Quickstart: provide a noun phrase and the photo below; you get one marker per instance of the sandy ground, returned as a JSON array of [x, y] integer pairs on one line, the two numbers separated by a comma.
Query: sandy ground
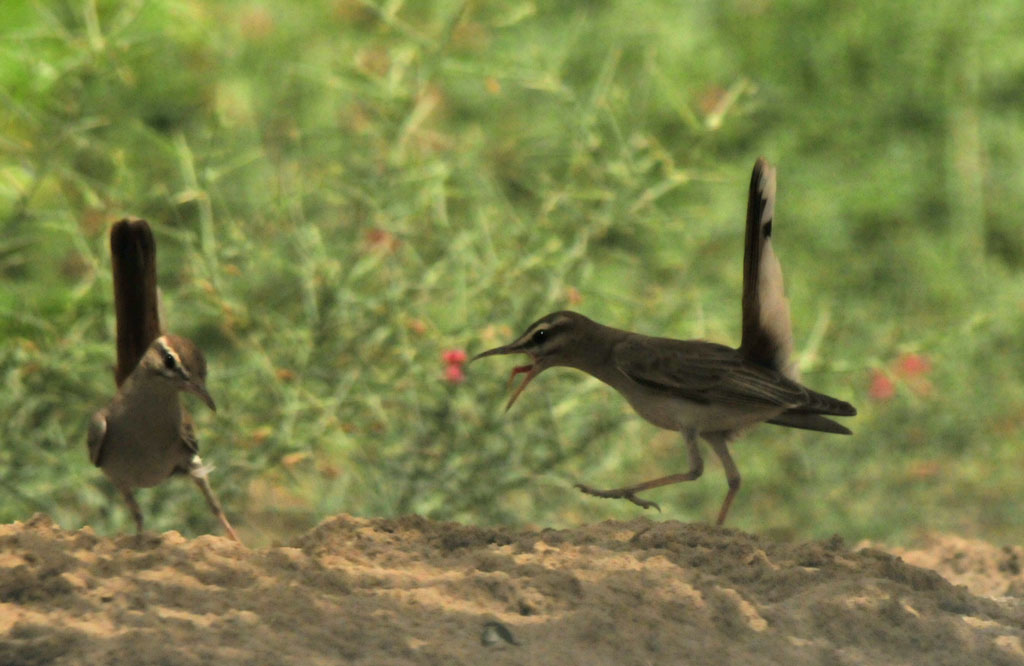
[[413, 591]]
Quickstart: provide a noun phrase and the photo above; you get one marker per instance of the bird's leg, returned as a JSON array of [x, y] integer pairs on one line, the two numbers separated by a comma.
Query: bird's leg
[[198, 472], [720, 445], [133, 506], [629, 492]]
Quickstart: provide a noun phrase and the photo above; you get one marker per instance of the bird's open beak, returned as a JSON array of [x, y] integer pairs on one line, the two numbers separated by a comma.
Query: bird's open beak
[[531, 369], [204, 395]]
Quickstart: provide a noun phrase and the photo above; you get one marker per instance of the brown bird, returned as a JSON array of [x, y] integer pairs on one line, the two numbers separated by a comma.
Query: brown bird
[[701, 389], [145, 435]]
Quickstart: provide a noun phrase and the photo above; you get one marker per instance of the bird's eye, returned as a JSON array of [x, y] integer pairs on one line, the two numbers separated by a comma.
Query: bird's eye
[[169, 361], [540, 336]]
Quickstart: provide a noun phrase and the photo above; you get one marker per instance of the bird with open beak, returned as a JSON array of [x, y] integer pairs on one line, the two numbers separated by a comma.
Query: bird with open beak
[[701, 389]]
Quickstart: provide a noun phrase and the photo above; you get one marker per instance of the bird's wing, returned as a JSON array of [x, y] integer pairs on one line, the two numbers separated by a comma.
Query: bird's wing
[[704, 372], [97, 435], [188, 432]]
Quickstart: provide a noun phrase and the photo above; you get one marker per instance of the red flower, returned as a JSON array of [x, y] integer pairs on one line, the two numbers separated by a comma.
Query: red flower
[[914, 364], [882, 387], [453, 374], [453, 360], [454, 357]]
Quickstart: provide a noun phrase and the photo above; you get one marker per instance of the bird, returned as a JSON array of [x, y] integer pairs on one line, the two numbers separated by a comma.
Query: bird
[[703, 390], [145, 435]]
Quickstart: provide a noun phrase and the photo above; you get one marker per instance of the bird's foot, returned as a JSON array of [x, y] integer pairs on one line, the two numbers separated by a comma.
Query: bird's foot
[[619, 493]]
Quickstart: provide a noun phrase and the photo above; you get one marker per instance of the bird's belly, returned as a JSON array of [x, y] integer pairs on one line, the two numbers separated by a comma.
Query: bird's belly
[[673, 413], [144, 459]]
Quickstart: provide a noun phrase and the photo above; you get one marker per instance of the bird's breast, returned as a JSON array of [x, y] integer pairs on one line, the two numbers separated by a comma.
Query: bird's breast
[[142, 451]]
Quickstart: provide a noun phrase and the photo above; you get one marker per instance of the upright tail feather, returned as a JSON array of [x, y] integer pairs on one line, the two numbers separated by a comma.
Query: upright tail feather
[[133, 254], [767, 335]]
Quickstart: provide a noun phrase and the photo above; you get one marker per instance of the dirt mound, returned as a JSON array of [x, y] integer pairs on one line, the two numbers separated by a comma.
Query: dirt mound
[[413, 591], [987, 570]]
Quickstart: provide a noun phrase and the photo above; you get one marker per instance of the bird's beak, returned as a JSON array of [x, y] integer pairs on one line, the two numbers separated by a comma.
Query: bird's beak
[[498, 351], [200, 389], [531, 369]]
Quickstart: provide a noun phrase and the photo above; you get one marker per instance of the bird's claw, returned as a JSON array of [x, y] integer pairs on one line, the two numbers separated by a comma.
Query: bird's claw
[[642, 503], [619, 493]]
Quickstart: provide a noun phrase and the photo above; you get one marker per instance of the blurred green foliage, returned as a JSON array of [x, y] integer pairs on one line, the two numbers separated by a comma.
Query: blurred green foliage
[[342, 191]]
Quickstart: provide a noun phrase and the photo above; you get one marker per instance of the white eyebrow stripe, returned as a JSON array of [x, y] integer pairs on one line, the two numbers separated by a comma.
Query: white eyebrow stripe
[[177, 359]]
